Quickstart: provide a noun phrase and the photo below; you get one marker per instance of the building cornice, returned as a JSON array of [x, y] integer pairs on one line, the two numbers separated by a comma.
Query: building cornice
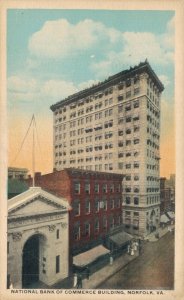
[[110, 81]]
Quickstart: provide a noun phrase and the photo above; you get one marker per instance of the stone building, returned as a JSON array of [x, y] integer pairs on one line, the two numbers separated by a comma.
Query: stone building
[[37, 239], [114, 126], [96, 199]]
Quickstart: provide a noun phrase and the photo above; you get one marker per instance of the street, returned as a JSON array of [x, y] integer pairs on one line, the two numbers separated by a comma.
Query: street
[[153, 269]]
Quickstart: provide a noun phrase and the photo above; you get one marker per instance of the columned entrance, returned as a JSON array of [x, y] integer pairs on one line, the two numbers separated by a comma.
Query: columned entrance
[[31, 261]]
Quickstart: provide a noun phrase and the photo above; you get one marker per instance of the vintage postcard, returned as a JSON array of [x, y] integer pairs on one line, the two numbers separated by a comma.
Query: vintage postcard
[[91, 158]]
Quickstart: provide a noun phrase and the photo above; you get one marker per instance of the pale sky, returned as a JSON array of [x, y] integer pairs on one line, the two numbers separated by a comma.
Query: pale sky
[[54, 53]]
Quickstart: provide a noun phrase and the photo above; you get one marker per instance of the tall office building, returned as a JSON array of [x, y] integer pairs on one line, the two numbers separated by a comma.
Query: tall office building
[[115, 126]]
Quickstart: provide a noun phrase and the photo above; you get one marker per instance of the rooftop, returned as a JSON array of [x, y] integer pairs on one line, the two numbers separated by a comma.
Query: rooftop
[[80, 172], [114, 79], [75, 171], [16, 186]]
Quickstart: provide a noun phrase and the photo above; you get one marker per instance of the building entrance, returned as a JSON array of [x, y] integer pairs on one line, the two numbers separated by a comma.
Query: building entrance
[[152, 221], [30, 261]]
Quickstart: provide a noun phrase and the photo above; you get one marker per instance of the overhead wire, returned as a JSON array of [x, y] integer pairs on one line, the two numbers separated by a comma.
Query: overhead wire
[[22, 144]]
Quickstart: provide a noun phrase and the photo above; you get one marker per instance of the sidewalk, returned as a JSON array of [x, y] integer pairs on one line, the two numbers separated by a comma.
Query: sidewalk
[[103, 274], [99, 276], [161, 232]]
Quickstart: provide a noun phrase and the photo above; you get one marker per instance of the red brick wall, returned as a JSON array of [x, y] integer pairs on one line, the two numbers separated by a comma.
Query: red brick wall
[[57, 183], [61, 183], [92, 215]]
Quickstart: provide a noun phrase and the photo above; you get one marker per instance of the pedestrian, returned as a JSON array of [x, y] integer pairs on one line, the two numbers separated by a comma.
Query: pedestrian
[[128, 249], [111, 259], [87, 273], [75, 281], [132, 251], [11, 285], [79, 282]]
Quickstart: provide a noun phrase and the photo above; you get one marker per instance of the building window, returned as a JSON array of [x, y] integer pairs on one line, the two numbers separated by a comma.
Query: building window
[[128, 166], [120, 166], [136, 214], [119, 220], [104, 222], [136, 104], [120, 154], [127, 213], [128, 142], [112, 188], [136, 91], [111, 203], [118, 202], [8, 247], [136, 200], [76, 231], [136, 128], [97, 225], [128, 107], [105, 187], [128, 177], [111, 222], [120, 86], [76, 207], [87, 188], [118, 188], [136, 141], [87, 206], [96, 187], [120, 144], [136, 224], [87, 229], [97, 205], [128, 94], [57, 263], [136, 189], [77, 188], [136, 177], [105, 204], [57, 234], [136, 165], [128, 200], [128, 189], [120, 97]]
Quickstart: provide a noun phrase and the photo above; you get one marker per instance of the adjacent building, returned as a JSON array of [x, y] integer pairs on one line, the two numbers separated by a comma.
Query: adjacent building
[[167, 195], [96, 201], [114, 126], [38, 238], [17, 173]]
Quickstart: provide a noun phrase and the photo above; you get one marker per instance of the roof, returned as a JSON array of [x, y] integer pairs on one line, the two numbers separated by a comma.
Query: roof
[[74, 171], [115, 79], [170, 214], [34, 192], [121, 238], [17, 169], [16, 186], [89, 256], [164, 219]]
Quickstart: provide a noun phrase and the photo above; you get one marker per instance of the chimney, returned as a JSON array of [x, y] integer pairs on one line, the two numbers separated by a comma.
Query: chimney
[[38, 175]]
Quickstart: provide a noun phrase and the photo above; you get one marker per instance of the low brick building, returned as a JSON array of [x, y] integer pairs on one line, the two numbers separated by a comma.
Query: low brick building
[[96, 201]]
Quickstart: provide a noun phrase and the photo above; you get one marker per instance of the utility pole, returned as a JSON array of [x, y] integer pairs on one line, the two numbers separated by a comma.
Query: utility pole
[[33, 153]]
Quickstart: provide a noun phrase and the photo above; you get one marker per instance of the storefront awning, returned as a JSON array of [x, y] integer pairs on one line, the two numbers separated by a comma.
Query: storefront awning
[[171, 214], [121, 238], [89, 256], [164, 219]]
